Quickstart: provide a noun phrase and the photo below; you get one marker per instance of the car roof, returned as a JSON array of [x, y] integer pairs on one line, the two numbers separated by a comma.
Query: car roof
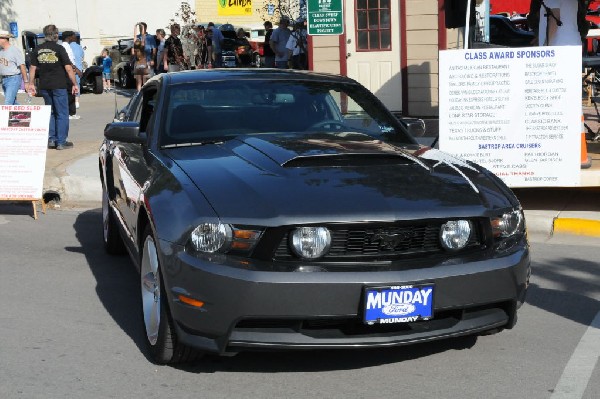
[[250, 74]]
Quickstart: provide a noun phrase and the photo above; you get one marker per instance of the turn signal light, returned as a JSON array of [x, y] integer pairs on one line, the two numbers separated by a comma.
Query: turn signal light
[[191, 301]]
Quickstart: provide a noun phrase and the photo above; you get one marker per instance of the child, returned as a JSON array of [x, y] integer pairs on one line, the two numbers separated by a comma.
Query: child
[[106, 66]]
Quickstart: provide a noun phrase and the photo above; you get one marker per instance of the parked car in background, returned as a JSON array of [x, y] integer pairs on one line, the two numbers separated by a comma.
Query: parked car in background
[[91, 79], [504, 33], [122, 70], [593, 36], [291, 210], [256, 37]]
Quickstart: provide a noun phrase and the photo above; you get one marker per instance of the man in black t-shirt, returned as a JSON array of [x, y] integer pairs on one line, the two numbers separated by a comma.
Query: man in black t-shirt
[[268, 54], [55, 68]]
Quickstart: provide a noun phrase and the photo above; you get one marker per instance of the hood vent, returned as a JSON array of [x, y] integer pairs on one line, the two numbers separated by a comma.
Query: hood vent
[[329, 160]]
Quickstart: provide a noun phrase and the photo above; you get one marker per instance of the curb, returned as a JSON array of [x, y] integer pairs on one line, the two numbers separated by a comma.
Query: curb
[[585, 227]]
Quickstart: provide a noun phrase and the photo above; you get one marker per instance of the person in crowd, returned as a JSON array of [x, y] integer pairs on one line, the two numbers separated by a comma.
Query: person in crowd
[[296, 45], [243, 53], [66, 37], [140, 32], [79, 55], [141, 66], [203, 60], [217, 43], [12, 68], [278, 41], [173, 58], [160, 49], [106, 70], [53, 63], [268, 54]]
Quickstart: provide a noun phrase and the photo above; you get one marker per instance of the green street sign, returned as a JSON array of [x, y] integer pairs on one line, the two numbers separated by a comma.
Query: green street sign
[[325, 17]]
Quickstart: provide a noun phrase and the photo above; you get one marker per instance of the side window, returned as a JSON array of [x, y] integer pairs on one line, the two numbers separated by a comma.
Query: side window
[[148, 105], [134, 109]]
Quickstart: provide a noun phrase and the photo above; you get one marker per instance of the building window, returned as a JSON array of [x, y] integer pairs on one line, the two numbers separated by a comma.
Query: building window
[[373, 25]]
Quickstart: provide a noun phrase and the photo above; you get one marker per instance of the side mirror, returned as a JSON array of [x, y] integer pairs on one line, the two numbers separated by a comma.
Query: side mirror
[[126, 132], [415, 126]]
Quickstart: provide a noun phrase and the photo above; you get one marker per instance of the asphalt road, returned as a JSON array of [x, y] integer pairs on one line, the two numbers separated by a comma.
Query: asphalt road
[[70, 328]]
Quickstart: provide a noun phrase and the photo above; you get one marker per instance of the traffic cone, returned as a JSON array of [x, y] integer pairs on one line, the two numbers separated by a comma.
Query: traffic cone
[[586, 160]]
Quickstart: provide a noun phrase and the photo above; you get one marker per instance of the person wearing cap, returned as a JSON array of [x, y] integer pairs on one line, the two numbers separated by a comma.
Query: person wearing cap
[[296, 46], [12, 68], [53, 63], [278, 41]]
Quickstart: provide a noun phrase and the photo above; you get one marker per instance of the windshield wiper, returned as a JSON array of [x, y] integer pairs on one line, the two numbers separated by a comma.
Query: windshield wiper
[[192, 144]]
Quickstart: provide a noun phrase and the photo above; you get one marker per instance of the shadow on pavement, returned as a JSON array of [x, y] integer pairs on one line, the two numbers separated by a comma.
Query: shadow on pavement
[[117, 282], [575, 283], [323, 360]]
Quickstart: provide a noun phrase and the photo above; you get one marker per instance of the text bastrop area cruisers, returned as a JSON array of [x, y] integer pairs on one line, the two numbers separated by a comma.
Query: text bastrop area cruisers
[[271, 209]]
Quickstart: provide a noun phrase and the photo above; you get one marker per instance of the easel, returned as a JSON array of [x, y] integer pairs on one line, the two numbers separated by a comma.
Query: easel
[[33, 203]]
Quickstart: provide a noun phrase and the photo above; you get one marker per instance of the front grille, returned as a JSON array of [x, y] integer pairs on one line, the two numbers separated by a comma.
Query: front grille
[[380, 241]]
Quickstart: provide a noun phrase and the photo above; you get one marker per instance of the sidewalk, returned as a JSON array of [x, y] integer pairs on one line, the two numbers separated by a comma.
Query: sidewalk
[[73, 175]]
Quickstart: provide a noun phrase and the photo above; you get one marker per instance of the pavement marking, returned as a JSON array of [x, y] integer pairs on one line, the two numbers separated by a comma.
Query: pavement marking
[[3, 220], [577, 226], [576, 375]]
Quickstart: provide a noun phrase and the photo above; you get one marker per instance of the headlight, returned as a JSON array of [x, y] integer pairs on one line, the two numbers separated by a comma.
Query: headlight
[[310, 242], [211, 237], [509, 224], [455, 234]]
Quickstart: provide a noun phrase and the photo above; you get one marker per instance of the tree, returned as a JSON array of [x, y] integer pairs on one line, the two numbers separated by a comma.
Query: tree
[[185, 16], [293, 9]]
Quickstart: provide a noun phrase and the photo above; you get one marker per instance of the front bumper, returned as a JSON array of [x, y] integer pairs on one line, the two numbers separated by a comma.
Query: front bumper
[[248, 308]]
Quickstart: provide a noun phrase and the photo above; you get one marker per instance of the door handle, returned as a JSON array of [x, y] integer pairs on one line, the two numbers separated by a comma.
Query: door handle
[[348, 55]]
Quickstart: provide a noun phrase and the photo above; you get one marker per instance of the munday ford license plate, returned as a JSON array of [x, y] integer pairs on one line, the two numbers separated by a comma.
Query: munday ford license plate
[[398, 304]]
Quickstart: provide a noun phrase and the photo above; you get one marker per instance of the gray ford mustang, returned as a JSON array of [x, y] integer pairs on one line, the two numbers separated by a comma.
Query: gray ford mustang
[[285, 209]]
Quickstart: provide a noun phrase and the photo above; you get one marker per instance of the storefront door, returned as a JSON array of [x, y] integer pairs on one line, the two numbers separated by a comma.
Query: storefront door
[[373, 48]]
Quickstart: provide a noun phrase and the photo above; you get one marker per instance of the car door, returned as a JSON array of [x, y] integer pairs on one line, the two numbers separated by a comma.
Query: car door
[[130, 166]]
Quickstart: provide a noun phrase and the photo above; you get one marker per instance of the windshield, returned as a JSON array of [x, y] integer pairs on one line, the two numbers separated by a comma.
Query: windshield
[[220, 110]]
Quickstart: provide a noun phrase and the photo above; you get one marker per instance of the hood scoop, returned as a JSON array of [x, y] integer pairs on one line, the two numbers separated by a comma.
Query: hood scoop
[[347, 159], [330, 150]]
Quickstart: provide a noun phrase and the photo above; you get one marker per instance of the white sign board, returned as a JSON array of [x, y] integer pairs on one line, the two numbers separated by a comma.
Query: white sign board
[[23, 145], [515, 111]]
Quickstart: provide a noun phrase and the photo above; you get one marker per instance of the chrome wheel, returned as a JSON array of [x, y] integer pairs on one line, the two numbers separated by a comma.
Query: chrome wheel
[[150, 282]]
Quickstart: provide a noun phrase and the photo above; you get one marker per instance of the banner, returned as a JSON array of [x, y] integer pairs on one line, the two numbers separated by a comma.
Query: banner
[[234, 7], [23, 146], [515, 111]]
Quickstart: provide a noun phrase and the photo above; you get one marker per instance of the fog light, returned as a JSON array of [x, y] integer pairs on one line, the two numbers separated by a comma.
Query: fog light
[[310, 242], [455, 234]]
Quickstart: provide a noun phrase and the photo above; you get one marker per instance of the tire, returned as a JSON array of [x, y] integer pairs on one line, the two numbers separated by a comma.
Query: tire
[[161, 337], [124, 79], [98, 84], [113, 243]]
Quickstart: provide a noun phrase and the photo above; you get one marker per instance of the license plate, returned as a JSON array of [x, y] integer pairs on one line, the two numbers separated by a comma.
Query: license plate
[[398, 304]]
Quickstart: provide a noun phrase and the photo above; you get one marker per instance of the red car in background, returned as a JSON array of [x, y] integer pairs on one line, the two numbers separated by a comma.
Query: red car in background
[[593, 36], [256, 37]]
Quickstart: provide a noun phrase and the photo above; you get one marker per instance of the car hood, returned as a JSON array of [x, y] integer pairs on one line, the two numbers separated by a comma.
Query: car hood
[[335, 177]]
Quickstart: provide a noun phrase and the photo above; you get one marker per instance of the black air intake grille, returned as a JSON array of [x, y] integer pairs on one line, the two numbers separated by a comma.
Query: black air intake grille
[[382, 241]]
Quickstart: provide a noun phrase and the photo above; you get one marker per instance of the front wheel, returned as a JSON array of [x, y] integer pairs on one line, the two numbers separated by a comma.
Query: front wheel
[[124, 78], [98, 84], [161, 336]]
